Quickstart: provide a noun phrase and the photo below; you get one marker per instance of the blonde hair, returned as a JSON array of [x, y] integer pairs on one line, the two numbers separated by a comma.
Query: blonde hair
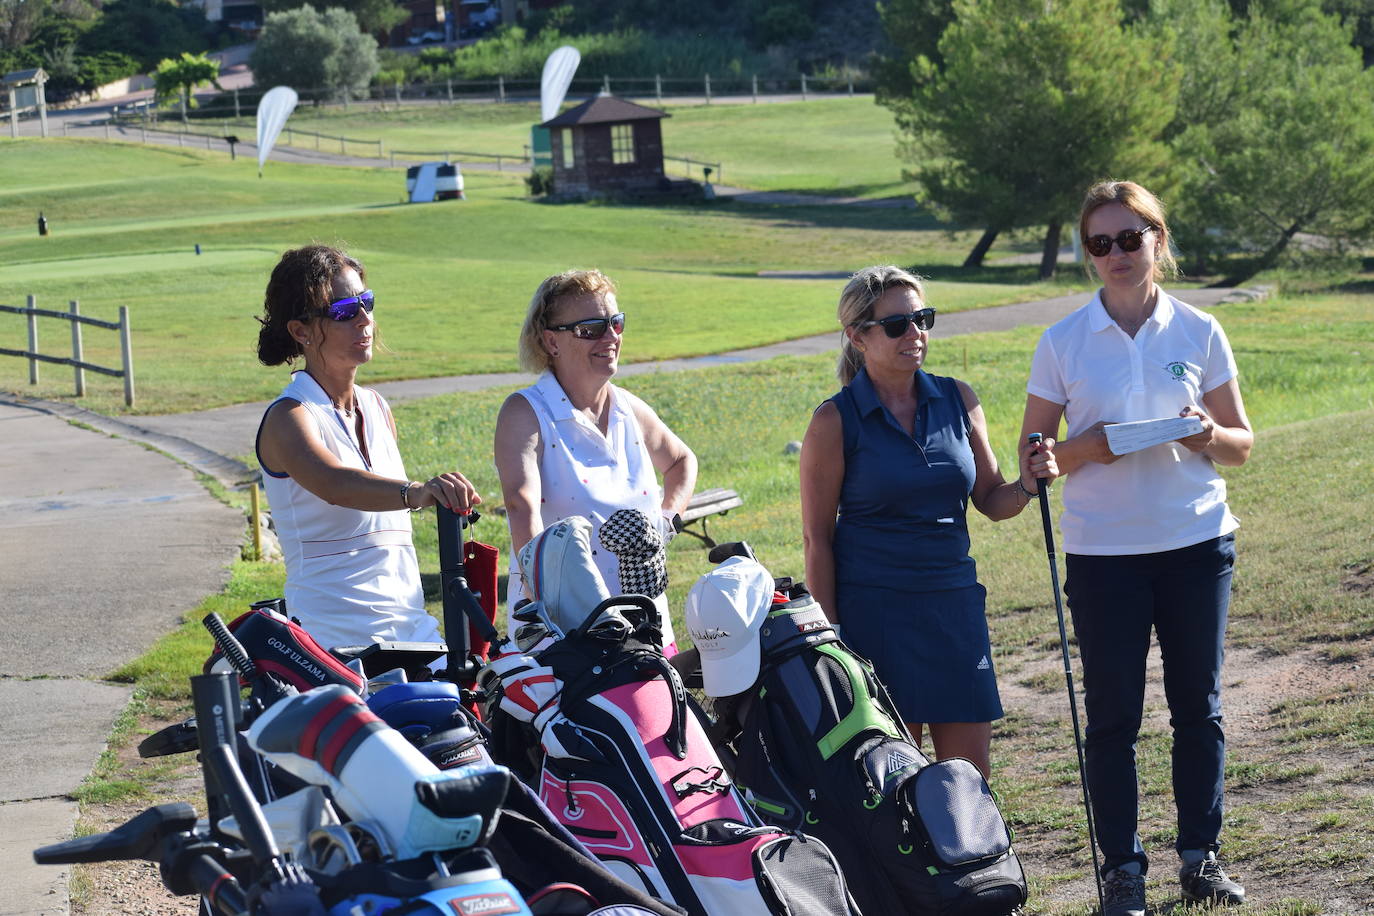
[[860, 295], [1144, 205], [533, 356]]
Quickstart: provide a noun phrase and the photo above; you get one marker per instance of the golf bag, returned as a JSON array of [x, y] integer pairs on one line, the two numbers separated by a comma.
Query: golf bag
[[432, 715], [629, 770], [281, 647], [818, 745]]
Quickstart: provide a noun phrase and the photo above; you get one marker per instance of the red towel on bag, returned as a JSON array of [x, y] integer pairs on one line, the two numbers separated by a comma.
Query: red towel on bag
[[480, 561]]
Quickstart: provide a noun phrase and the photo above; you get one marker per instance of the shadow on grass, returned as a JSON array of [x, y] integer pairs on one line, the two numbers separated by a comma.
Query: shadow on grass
[[811, 216], [1016, 274], [1006, 274], [884, 190], [1362, 286]]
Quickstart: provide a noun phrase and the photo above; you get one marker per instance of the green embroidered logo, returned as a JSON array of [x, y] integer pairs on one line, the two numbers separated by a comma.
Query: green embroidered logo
[[1177, 370]]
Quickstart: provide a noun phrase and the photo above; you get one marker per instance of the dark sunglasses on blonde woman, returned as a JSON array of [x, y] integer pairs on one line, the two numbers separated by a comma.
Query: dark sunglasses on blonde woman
[[1099, 246], [593, 328], [895, 326]]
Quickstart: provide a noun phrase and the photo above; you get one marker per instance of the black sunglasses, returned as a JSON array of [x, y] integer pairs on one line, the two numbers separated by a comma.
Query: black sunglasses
[[347, 308], [593, 328], [895, 326], [1099, 246]]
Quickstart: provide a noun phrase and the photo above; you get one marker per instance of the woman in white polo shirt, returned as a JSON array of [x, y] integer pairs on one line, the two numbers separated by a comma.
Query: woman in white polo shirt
[[575, 444], [1148, 535]]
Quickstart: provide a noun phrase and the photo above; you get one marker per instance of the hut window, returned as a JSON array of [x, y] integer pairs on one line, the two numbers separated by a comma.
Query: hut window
[[622, 144], [567, 148]]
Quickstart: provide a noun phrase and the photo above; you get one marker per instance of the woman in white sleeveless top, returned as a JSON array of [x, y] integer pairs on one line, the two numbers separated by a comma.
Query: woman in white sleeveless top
[[334, 478], [574, 444]]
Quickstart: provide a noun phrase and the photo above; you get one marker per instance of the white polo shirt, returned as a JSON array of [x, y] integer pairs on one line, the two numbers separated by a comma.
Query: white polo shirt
[[582, 472], [1160, 498]]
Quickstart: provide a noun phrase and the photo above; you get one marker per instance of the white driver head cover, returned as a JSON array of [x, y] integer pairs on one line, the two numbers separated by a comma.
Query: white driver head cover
[[725, 610], [558, 569]]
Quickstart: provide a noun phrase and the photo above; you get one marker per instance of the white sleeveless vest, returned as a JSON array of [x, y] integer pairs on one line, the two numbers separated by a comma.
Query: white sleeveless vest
[[582, 472], [351, 576]]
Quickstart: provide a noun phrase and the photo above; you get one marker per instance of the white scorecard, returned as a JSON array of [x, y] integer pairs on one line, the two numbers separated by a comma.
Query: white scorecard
[[1124, 438]]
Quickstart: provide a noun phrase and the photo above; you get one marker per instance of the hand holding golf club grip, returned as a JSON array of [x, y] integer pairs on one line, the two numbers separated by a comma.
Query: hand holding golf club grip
[[1041, 484]]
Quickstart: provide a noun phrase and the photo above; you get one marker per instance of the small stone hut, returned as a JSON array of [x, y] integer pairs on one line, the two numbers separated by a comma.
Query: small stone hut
[[606, 146]]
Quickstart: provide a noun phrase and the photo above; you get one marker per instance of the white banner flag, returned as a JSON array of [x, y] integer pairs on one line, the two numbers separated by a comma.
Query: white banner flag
[[276, 106], [558, 74]]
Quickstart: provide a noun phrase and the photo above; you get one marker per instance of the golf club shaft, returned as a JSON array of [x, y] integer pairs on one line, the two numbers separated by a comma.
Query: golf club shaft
[[1042, 487]]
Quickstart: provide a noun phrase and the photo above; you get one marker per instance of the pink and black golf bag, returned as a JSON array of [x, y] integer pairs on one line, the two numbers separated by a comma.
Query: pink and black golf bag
[[628, 769]]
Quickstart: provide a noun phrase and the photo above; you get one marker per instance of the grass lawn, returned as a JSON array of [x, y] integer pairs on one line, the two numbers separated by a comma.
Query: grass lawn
[[838, 146], [1302, 359], [453, 279], [1299, 792]]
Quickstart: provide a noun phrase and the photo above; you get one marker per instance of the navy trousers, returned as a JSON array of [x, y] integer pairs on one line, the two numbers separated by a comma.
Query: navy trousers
[[1115, 601]]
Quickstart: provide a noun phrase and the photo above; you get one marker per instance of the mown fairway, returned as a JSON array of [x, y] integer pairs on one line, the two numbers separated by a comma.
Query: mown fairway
[[838, 146], [453, 278]]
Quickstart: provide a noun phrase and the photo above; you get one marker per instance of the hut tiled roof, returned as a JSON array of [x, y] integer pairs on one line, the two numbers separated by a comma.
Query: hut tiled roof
[[602, 109], [23, 76]]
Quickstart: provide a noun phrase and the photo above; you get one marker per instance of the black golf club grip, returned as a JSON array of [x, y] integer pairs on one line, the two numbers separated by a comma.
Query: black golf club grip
[[230, 646], [1041, 484], [268, 689]]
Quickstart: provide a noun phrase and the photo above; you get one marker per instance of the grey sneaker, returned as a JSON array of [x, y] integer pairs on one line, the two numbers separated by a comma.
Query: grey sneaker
[[1123, 893], [1205, 882]]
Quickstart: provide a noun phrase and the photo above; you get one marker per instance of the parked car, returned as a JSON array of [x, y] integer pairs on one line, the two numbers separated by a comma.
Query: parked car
[[429, 36], [448, 181], [477, 18]]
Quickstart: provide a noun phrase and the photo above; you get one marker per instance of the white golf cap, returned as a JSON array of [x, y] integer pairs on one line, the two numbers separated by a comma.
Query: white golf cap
[[725, 610]]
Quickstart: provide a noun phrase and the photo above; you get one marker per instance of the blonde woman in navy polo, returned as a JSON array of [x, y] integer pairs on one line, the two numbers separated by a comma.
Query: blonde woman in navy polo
[[1148, 537], [888, 468]]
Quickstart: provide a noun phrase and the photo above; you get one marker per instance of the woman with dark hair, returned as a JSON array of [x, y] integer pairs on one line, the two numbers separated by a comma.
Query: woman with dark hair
[[897, 455], [1148, 537], [340, 497]]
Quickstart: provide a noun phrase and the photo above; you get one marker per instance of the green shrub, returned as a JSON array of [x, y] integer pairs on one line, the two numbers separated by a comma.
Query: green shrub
[[517, 55], [540, 181], [106, 67]]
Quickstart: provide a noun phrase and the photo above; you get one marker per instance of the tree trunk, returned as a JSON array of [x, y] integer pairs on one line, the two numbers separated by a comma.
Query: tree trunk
[[184, 93], [975, 257], [1266, 260], [1049, 256]]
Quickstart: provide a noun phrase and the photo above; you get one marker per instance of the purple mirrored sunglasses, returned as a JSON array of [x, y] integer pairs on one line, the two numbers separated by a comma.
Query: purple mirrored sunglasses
[[346, 309]]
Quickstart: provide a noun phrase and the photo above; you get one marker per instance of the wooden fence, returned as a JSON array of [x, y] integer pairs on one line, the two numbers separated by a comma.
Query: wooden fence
[[76, 360]]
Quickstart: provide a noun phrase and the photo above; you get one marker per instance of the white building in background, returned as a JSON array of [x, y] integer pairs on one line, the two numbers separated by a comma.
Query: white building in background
[[239, 15]]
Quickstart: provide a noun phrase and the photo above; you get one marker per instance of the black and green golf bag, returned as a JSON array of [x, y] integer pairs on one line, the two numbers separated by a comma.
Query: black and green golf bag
[[818, 746]]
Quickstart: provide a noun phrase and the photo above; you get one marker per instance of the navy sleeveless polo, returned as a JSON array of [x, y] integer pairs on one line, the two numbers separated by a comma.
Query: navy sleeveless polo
[[906, 588]]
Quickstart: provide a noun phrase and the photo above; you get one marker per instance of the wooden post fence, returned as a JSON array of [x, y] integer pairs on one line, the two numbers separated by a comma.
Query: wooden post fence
[[77, 359], [77, 354]]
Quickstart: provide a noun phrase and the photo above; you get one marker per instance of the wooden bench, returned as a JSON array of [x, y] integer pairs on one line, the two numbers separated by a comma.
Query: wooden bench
[[702, 506]]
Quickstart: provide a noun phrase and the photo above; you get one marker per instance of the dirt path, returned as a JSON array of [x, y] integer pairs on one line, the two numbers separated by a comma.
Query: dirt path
[[1270, 795]]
